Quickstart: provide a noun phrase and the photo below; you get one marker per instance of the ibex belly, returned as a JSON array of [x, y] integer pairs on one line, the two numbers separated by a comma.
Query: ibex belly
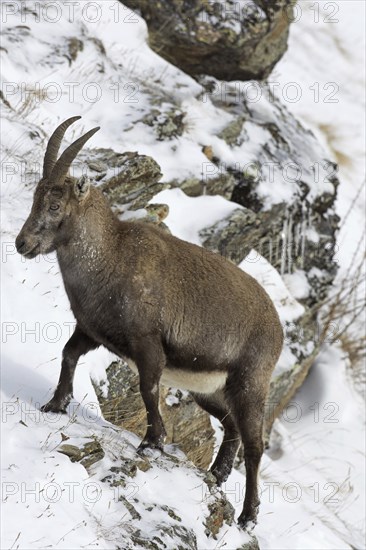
[[199, 382]]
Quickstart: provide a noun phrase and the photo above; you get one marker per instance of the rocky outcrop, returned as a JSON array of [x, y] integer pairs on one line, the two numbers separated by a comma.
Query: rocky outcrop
[[124, 475], [228, 40], [125, 178]]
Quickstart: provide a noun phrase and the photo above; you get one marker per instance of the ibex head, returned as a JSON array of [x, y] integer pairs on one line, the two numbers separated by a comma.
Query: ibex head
[[55, 198]]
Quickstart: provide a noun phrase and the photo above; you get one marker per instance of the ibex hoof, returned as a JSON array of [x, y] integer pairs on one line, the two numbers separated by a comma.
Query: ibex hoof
[[248, 521], [220, 475], [146, 445], [54, 407]]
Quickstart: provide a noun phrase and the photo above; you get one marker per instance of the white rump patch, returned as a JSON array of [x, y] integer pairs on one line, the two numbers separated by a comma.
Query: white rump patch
[[199, 382]]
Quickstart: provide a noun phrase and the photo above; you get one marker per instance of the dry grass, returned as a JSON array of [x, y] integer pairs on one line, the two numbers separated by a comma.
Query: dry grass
[[342, 315], [345, 307], [117, 412], [355, 348]]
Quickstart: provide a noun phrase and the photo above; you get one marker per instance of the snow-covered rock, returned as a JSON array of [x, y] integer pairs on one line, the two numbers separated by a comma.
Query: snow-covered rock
[[231, 40]]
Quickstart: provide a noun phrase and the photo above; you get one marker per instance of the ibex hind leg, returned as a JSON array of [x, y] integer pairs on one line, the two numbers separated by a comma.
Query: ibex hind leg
[[247, 408], [215, 405]]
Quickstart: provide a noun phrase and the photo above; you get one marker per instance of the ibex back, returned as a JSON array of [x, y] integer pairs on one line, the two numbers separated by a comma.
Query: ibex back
[[179, 314]]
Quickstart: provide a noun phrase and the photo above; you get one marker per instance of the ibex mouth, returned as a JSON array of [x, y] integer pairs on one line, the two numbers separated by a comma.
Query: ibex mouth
[[30, 254]]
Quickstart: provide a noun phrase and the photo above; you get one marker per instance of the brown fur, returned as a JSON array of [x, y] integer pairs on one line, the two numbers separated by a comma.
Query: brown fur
[[165, 305]]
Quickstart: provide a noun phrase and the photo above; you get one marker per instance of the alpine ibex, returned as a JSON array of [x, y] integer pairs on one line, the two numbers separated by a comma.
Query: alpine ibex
[[180, 315]]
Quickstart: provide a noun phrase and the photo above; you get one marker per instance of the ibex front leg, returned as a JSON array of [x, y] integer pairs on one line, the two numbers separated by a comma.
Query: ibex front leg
[[78, 345], [150, 360]]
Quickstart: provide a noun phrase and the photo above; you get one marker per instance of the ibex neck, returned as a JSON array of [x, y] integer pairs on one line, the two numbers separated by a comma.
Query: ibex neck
[[94, 232]]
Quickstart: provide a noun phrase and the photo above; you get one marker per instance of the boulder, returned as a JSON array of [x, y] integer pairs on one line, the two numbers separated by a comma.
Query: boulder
[[125, 178], [229, 40], [89, 454]]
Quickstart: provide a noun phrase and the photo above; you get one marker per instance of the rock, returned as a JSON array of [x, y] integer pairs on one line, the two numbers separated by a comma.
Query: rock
[[128, 468], [221, 511], [193, 187], [171, 513], [169, 530], [130, 507], [189, 426], [87, 455], [143, 465], [222, 184], [252, 545], [124, 479], [127, 179], [207, 150], [185, 422], [186, 537], [233, 237], [74, 46], [166, 124], [136, 181], [156, 213], [228, 40], [232, 132], [263, 231]]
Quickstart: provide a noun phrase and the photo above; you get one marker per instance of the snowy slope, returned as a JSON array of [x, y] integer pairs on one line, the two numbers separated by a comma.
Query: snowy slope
[[312, 488], [326, 61]]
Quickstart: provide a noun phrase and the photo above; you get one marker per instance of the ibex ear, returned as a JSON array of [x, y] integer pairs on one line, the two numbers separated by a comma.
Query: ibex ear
[[82, 187]]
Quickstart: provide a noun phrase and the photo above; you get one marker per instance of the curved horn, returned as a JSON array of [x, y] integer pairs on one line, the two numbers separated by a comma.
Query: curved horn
[[63, 164], [53, 146]]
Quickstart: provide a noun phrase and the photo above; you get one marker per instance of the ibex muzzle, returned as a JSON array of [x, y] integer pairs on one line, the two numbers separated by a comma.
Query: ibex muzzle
[[179, 314]]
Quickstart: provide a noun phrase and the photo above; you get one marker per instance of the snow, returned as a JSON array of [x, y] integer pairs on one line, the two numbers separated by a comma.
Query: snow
[[297, 284], [189, 215], [287, 307], [320, 436]]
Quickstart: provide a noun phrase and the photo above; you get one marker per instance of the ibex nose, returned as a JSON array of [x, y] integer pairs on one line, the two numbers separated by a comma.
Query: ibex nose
[[19, 243]]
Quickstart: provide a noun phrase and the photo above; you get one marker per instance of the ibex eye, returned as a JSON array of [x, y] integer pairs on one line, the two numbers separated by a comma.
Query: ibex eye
[[54, 206]]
